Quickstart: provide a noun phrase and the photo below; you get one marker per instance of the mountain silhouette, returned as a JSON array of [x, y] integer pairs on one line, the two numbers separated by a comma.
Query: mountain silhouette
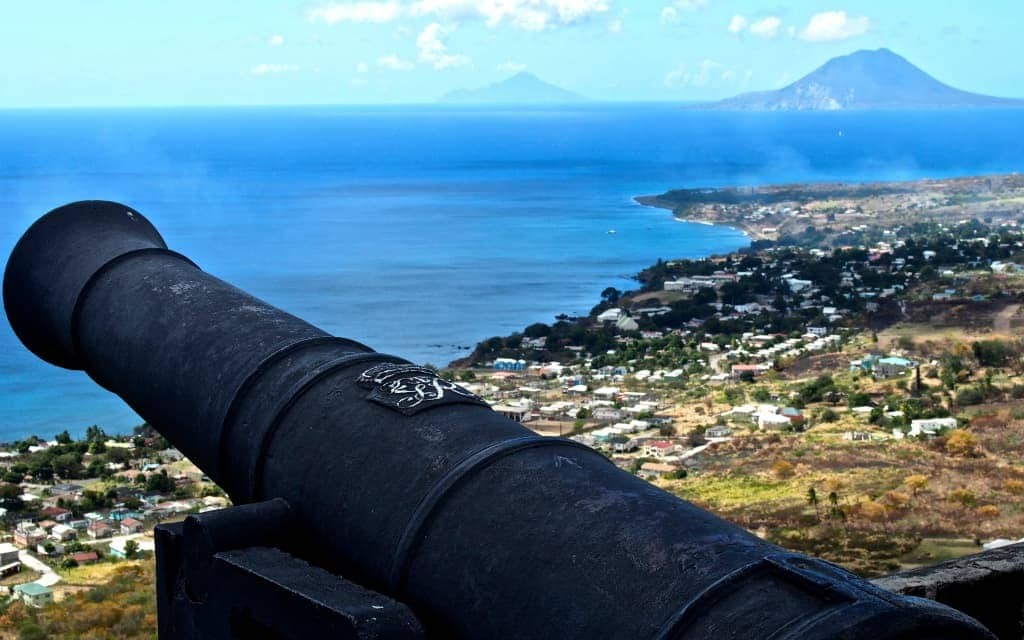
[[864, 79], [522, 88]]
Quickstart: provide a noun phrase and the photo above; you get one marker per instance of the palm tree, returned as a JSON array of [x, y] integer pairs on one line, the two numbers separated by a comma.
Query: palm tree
[[812, 499]]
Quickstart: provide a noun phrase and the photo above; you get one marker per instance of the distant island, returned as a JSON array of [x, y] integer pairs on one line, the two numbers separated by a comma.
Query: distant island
[[862, 80], [522, 88]]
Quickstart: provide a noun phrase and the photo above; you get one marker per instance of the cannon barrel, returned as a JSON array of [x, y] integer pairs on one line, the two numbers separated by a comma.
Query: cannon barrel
[[408, 483]]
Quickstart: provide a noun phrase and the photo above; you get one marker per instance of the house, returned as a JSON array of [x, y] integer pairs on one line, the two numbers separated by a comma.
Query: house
[[9, 562], [28, 535], [772, 421], [794, 415], [857, 436], [718, 431], [131, 525], [746, 370], [625, 323], [892, 367], [33, 594], [85, 557], [58, 514], [509, 364], [63, 533], [46, 525], [660, 449], [657, 469], [97, 530], [516, 414], [931, 426], [610, 315]]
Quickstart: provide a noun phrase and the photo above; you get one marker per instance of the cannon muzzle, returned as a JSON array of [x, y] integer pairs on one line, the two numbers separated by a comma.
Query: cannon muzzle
[[407, 483]]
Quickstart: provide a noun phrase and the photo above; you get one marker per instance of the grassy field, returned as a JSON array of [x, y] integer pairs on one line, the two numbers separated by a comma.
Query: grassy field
[[98, 573]]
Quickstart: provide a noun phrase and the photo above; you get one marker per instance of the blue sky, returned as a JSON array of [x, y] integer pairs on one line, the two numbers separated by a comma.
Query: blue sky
[[67, 53]]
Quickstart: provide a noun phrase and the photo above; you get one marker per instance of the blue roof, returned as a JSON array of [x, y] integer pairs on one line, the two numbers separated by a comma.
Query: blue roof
[[33, 589], [899, 362]]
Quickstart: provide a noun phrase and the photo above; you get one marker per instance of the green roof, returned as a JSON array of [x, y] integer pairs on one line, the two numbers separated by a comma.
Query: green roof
[[33, 589]]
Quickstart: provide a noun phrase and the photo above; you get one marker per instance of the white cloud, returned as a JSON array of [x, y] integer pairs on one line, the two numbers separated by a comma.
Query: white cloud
[[767, 28], [375, 12], [362, 67], [264, 69], [529, 15], [669, 14], [511, 67], [737, 24], [615, 26], [830, 26], [434, 51], [394, 63], [276, 40], [703, 75], [691, 5]]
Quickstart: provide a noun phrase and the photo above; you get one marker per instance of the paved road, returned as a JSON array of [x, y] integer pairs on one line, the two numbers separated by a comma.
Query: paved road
[[49, 577]]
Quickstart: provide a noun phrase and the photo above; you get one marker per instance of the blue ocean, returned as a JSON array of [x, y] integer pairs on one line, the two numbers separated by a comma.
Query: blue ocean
[[422, 230]]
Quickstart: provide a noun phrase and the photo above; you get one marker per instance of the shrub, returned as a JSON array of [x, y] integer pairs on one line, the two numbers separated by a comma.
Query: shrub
[[783, 469], [1016, 487], [987, 512], [963, 497]]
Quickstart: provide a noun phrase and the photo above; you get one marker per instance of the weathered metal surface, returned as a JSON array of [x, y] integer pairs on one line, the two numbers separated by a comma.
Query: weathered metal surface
[[408, 484], [988, 586]]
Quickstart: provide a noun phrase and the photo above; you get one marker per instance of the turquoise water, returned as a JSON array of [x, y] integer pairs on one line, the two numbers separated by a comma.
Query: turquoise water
[[421, 230]]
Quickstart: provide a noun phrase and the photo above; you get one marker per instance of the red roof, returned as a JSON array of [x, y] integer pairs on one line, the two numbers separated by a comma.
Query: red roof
[[53, 512], [131, 522], [85, 556]]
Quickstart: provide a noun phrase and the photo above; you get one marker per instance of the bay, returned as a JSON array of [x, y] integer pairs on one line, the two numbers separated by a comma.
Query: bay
[[420, 230]]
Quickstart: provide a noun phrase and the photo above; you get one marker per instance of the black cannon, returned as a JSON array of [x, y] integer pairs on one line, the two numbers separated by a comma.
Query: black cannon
[[378, 500]]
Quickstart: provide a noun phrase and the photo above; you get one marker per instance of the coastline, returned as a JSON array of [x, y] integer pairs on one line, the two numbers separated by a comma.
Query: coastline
[[657, 202], [832, 214]]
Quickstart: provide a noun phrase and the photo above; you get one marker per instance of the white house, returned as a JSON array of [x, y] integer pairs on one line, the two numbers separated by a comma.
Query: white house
[[931, 426]]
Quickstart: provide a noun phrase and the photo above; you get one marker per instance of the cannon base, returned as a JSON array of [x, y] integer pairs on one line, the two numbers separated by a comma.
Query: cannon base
[[214, 583]]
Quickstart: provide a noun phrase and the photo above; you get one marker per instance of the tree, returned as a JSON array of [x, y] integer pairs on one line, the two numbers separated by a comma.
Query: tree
[[68, 563], [10, 497], [962, 443], [63, 437], [537, 330], [610, 295], [94, 434], [131, 549], [159, 482]]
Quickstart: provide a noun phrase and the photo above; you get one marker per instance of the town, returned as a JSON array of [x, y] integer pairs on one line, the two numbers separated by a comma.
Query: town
[[856, 393]]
